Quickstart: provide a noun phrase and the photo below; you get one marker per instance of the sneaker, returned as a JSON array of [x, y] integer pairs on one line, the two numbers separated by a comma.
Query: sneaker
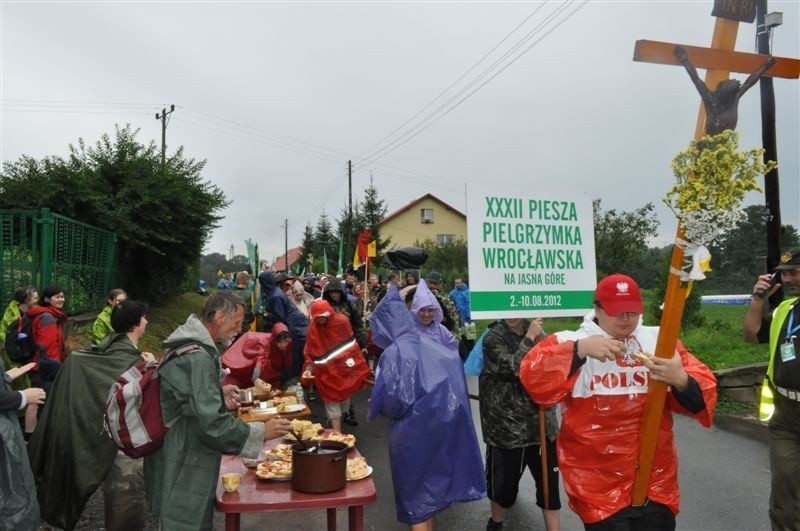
[[491, 525], [349, 419]]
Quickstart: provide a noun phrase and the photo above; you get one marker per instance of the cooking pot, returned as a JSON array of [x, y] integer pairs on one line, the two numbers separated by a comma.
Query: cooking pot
[[320, 469]]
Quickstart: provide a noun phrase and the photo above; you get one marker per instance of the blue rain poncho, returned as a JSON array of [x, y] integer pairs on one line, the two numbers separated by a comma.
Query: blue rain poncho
[[424, 298], [420, 387]]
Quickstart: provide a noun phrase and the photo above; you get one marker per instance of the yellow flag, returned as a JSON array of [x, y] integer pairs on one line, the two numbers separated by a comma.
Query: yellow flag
[[372, 249]]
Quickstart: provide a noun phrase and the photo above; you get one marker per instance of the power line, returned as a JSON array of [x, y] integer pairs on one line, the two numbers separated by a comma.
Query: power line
[[432, 117], [74, 103], [259, 140], [147, 113], [214, 123], [462, 76], [285, 139], [326, 195], [248, 132]]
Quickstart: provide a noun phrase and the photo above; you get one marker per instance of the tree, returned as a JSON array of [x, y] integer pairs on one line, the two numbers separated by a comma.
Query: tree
[[239, 263], [349, 229], [367, 215], [449, 259], [692, 317], [211, 265], [620, 238], [308, 254], [735, 255], [649, 275], [372, 212], [162, 215], [326, 244]]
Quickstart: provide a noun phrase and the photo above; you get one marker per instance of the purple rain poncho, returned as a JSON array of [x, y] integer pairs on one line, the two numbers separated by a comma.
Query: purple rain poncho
[[420, 387], [436, 331]]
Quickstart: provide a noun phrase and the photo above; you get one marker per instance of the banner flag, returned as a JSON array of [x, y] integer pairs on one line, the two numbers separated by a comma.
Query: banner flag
[[341, 258], [362, 248]]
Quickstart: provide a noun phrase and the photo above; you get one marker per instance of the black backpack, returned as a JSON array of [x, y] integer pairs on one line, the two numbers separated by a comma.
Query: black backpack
[[19, 343]]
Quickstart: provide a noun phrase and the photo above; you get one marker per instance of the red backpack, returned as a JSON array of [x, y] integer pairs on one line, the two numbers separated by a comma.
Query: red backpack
[[133, 408]]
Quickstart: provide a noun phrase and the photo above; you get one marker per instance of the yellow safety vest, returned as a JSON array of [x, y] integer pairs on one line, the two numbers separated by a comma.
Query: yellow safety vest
[[767, 407]]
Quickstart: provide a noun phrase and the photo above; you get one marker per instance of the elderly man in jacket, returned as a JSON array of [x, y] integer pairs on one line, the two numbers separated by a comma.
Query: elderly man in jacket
[[181, 476]]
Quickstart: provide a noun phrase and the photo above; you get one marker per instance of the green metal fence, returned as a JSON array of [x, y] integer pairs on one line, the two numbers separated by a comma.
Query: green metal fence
[[40, 248]]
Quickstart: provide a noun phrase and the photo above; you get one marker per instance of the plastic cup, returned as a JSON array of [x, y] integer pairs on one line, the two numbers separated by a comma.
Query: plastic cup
[[246, 398], [231, 481]]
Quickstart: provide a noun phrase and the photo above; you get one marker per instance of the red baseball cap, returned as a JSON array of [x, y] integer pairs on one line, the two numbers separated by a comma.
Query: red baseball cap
[[617, 294]]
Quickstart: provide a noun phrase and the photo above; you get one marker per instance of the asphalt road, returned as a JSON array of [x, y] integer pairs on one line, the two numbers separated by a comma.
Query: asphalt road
[[724, 479]]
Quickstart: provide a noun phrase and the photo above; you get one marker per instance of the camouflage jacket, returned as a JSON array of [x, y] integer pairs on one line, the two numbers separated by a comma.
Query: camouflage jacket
[[509, 418], [452, 321]]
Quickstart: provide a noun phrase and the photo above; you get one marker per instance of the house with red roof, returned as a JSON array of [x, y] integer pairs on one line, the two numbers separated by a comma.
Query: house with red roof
[[424, 218]]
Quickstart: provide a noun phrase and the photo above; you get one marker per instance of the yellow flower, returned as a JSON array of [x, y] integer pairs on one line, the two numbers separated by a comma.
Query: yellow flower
[[713, 176]]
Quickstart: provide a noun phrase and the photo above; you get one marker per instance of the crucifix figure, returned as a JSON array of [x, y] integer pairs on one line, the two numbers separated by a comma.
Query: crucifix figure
[[722, 105], [717, 114]]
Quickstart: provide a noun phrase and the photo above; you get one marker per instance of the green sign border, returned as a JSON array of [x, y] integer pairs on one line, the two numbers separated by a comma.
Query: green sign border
[[488, 301]]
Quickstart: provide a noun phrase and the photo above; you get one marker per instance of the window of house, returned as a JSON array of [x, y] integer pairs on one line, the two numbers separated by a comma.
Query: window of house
[[426, 215], [445, 239]]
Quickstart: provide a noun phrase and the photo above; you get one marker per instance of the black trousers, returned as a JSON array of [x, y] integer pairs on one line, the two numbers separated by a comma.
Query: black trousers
[[651, 516]]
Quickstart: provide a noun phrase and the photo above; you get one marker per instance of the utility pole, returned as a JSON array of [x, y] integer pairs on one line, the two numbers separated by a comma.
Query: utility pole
[[286, 244], [765, 23], [163, 118], [349, 213]]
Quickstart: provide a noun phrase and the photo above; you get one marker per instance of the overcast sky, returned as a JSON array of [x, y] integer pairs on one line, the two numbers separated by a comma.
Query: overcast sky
[[278, 96]]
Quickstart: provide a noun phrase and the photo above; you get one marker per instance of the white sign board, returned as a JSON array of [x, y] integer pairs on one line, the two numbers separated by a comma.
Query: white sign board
[[530, 254]]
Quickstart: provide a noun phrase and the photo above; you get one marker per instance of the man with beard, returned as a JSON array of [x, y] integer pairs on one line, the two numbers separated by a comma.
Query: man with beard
[[780, 392], [180, 477]]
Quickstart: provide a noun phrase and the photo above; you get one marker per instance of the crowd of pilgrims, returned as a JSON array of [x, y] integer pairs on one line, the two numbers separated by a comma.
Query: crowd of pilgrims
[[406, 338], [303, 318]]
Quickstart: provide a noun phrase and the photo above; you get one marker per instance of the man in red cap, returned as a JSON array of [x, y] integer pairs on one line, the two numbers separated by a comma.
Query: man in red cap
[[601, 373]]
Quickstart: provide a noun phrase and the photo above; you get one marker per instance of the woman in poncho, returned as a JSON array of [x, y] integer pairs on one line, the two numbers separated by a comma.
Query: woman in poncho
[[428, 317], [420, 387]]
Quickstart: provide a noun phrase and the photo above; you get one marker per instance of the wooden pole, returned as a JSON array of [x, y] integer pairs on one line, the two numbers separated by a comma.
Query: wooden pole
[[365, 293], [543, 455], [724, 38]]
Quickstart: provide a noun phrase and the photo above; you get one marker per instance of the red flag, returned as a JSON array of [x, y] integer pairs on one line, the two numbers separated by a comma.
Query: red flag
[[362, 247]]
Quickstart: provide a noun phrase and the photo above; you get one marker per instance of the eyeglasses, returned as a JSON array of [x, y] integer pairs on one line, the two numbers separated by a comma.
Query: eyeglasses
[[625, 316]]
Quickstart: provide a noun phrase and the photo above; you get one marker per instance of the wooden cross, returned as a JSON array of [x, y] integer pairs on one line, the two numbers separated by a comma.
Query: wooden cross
[[719, 60]]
